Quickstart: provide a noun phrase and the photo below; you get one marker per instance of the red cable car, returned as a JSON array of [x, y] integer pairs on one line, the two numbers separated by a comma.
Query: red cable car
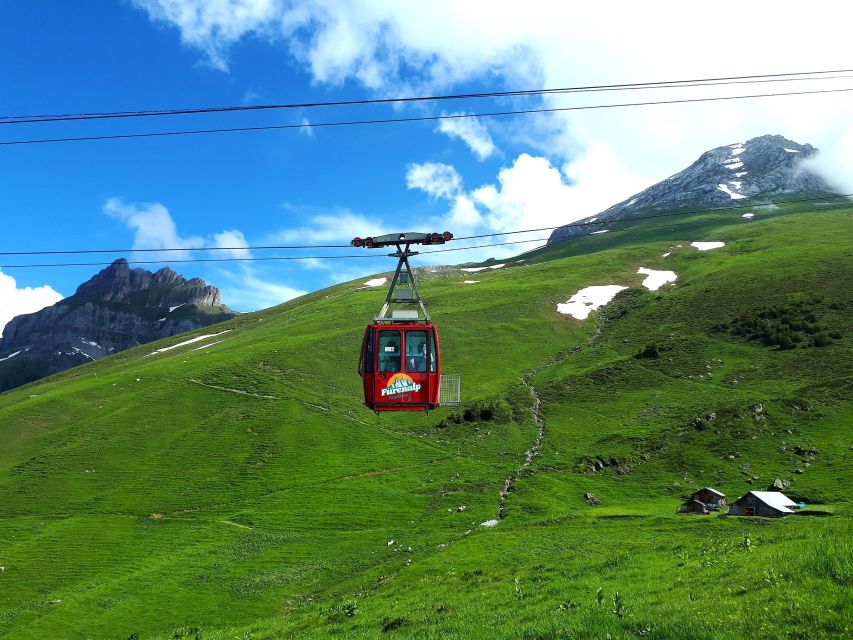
[[400, 366], [400, 361]]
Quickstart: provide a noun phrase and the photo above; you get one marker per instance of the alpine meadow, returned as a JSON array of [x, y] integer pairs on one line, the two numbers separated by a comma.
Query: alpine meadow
[[235, 486], [481, 320]]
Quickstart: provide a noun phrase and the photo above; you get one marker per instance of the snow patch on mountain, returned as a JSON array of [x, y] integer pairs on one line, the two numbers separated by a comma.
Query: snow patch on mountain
[[733, 195], [656, 279], [706, 246], [190, 341], [12, 355], [476, 269], [587, 300]]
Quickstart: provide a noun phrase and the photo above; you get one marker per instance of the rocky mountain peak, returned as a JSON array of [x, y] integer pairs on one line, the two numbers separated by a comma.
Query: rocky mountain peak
[[756, 172], [118, 283], [116, 309]]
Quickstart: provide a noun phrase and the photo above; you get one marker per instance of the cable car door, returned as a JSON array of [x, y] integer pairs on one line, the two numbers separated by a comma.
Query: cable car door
[[420, 365], [390, 383], [367, 364]]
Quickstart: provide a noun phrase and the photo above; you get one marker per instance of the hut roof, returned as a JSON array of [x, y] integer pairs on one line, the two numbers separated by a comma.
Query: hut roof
[[714, 491], [774, 499]]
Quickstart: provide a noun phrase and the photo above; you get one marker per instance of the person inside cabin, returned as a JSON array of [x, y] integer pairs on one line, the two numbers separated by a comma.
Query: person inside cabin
[[417, 361], [390, 360]]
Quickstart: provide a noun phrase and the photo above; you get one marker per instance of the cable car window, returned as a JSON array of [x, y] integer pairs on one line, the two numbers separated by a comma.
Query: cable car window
[[368, 353], [389, 351], [416, 348], [432, 351]]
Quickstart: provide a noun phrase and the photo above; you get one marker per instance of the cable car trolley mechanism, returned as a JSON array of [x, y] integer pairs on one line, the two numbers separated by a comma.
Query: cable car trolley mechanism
[[400, 361]]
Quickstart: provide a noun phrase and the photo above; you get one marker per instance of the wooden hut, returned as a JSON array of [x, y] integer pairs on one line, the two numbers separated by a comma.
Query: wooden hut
[[693, 506], [769, 504], [711, 498]]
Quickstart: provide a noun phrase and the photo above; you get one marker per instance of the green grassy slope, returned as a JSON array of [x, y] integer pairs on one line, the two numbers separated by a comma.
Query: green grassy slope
[[241, 490]]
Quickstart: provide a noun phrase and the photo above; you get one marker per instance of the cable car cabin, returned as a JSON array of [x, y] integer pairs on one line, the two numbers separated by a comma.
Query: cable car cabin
[[399, 366]]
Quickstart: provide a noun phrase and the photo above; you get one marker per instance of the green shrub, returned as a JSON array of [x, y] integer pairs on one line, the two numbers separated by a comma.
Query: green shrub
[[496, 410], [649, 351], [389, 624], [782, 327]]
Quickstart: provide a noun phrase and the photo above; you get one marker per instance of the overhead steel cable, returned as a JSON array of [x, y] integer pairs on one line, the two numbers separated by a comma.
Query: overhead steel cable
[[454, 116], [471, 237], [361, 256], [253, 248], [666, 84], [377, 255]]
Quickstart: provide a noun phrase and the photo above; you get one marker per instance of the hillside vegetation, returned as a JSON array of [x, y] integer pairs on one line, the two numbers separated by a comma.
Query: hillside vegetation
[[235, 487]]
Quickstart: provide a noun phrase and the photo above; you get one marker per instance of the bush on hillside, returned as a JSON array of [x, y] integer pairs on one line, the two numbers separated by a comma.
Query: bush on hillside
[[783, 326], [496, 410], [649, 351]]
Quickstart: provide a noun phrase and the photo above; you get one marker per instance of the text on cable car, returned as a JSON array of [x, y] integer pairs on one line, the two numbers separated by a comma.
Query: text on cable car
[[400, 383]]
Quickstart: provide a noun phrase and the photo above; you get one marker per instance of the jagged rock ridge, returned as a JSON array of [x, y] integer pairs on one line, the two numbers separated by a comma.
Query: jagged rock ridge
[[753, 172], [117, 309]]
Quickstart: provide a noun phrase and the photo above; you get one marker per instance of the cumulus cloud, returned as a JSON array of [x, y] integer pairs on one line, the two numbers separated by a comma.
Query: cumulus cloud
[[472, 132], [233, 243], [152, 225], [213, 25], [532, 193], [463, 215], [395, 47], [15, 300], [437, 179]]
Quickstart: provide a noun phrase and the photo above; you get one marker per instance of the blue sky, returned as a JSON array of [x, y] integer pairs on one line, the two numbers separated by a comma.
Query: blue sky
[[328, 185]]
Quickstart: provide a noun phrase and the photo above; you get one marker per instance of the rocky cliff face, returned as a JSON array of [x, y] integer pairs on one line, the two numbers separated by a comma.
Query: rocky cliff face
[[754, 172], [117, 309]]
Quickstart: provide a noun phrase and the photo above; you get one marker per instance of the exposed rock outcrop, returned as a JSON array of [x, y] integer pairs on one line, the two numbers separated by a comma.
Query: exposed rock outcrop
[[117, 309]]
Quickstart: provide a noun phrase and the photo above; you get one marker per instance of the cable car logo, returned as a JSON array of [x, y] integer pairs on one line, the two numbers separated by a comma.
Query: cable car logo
[[400, 383]]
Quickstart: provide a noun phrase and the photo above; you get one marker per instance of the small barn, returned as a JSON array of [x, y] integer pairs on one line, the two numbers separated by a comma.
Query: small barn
[[693, 506], [711, 498], [769, 504]]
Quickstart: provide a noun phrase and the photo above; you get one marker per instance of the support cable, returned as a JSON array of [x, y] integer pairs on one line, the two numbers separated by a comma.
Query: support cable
[[471, 237], [452, 116], [664, 84]]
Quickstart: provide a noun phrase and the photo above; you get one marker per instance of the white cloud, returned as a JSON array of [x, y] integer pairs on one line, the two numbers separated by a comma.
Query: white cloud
[[437, 179], [154, 228], [393, 47], [472, 132], [464, 214], [532, 193], [15, 301], [836, 165], [235, 243], [306, 129], [213, 25], [151, 223]]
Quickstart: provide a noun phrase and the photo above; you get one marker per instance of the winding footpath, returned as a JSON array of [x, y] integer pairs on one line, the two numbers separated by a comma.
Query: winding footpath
[[533, 451]]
